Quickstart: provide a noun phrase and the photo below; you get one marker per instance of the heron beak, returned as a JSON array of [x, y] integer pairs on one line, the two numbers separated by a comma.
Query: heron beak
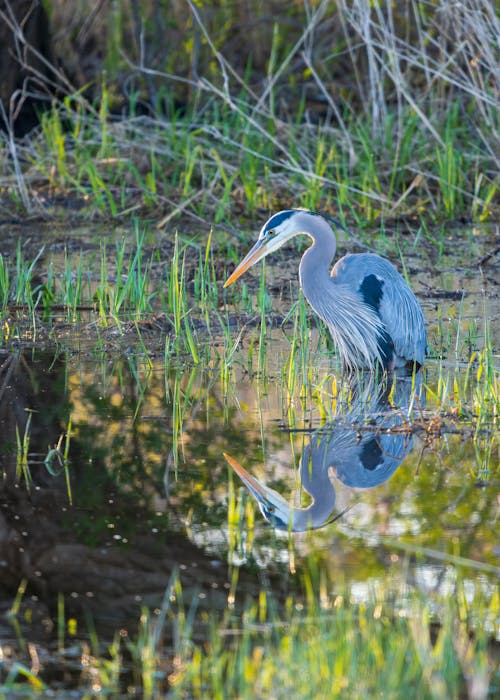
[[252, 484], [255, 254]]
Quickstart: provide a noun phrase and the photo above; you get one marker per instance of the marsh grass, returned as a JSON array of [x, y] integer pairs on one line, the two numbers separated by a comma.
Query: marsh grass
[[204, 171], [327, 645], [407, 124], [130, 291], [122, 287], [315, 644]]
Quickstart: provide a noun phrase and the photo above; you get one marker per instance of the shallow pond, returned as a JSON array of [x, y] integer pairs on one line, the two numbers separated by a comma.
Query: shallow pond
[[114, 474]]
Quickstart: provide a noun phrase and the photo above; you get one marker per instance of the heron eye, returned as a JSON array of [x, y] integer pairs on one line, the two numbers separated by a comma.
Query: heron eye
[[271, 509], [272, 232]]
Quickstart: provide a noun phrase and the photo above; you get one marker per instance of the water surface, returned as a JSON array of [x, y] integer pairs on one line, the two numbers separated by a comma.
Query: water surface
[[144, 490]]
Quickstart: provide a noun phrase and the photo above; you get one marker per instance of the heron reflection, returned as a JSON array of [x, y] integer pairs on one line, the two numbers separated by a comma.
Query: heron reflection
[[361, 447]]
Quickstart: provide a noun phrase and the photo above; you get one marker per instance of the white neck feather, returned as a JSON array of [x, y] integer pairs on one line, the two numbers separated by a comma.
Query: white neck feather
[[353, 325]]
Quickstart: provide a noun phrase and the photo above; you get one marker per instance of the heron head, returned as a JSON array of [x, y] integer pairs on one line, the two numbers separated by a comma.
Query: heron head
[[274, 507], [275, 232]]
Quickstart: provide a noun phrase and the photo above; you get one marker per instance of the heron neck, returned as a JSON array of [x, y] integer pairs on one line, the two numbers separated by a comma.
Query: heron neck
[[353, 325], [316, 482], [314, 268]]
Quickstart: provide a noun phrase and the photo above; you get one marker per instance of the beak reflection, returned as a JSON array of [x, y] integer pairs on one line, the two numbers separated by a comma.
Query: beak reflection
[[250, 481]]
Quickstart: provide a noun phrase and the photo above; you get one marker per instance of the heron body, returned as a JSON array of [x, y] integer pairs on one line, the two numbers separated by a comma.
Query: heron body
[[372, 314]]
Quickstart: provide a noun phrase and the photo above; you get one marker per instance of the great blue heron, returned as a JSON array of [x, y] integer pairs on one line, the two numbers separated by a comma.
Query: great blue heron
[[361, 448], [373, 316]]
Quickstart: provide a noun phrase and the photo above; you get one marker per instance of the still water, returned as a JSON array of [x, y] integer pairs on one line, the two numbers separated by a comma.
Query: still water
[[139, 485], [114, 477]]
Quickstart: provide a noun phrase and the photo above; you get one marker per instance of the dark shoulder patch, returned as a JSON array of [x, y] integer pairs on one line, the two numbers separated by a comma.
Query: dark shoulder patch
[[279, 218], [371, 289], [371, 454]]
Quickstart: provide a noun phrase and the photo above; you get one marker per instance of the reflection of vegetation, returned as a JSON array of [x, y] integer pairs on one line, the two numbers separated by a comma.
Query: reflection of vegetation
[[33, 411], [131, 432]]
